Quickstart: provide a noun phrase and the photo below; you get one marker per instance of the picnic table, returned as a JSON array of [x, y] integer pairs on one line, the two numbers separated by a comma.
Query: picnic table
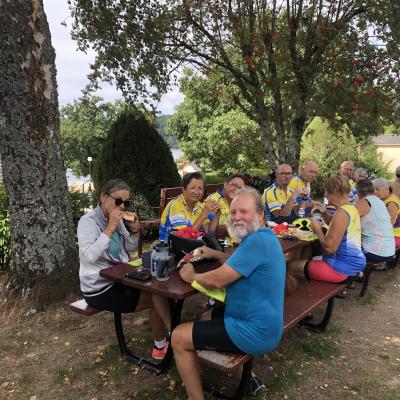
[[176, 290]]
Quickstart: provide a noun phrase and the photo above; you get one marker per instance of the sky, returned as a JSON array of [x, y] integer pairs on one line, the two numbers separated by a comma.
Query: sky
[[73, 65]]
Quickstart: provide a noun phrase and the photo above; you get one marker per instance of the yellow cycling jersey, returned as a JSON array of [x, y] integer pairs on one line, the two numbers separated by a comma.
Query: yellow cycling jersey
[[224, 206], [177, 215], [396, 226], [275, 198]]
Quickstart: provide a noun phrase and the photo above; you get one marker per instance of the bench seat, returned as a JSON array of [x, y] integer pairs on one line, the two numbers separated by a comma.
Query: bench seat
[[81, 307], [298, 306]]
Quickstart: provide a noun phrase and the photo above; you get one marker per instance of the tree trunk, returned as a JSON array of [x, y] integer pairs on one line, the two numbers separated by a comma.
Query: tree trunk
[[43, 241]]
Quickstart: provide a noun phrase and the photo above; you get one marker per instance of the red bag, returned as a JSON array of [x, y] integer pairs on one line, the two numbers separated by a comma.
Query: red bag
[[280, 229], [188, 233]]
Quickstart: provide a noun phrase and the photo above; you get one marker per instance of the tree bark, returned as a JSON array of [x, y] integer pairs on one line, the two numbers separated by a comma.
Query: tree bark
[[43, 241]]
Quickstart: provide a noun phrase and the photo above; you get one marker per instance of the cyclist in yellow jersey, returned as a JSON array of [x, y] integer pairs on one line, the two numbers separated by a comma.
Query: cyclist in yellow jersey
[[187, 209], [280, 201], [392, 202], [224, 197], [308, 174]]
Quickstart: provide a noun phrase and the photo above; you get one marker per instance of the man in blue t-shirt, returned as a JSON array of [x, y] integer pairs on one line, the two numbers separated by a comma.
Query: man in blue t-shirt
[[254, 276]]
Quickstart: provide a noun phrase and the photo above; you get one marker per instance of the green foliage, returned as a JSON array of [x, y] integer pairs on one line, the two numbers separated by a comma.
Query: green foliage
[[329, 149], [134, 151], [5, 237], [84, 125], [281, 63], [214, 132], [79, 202]]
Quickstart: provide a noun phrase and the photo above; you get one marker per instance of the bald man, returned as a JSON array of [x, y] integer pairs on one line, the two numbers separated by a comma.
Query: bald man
[[280, 201], [302, 181]]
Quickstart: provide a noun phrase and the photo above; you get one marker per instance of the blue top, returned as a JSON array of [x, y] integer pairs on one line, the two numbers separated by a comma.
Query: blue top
[[348, 259], [254, 303], [376, 229]]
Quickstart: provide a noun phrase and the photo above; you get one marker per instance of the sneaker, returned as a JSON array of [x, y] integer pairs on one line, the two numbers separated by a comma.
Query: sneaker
[[159, 354], [255, 385], [342, 294]]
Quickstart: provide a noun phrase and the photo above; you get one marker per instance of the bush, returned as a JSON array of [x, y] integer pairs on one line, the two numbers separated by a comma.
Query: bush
[[79, 202], [329, 149], [5, 237], [135, 152]]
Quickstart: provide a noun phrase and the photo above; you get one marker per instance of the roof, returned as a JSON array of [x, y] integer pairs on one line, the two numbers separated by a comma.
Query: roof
[[386, 140]]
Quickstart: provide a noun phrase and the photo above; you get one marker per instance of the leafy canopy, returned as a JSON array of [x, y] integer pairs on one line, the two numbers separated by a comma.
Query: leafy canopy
[[84, 125], [289, 61], [212, 130]]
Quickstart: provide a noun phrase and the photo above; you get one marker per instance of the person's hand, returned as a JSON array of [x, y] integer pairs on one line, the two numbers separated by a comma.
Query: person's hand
[[211, 205], [206, 252], [187, 273], [318, 208], [113, 221], [316, 225], [304, 193], [315, 204], [134, 225], [296, 193]]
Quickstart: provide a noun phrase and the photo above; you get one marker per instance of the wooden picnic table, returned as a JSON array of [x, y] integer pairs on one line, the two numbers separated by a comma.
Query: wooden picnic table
[[176, 290]]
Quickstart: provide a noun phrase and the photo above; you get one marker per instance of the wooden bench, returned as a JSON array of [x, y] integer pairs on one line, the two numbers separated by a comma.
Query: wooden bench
[[298, 306], [81, 307], [166, 195]]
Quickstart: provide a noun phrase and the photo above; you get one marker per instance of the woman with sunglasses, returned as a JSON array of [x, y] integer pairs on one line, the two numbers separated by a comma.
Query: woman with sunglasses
[[105, 239]]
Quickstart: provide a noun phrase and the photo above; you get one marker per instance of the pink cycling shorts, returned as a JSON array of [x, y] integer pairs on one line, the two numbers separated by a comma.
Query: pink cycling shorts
[[397, 241], [320, 270]]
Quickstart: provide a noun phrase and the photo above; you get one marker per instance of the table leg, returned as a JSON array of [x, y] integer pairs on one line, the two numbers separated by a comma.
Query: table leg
[[154, 367]]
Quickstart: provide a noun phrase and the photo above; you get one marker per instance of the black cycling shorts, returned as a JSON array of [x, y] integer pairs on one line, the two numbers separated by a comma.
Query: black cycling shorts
[[212, 335], [119, 299]]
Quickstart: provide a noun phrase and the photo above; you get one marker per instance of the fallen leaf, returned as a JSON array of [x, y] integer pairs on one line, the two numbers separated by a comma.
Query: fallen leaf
[[66, 343]]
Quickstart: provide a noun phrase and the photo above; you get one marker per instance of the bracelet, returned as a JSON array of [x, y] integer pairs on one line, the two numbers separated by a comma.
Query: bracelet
[[304, 198], [135, 232]]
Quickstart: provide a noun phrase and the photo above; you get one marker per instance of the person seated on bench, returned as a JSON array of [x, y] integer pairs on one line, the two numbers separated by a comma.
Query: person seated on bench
[[342, 258], [187, 209], [377, 239], [280, 200], [104, 240], [254, 277], [392, 202], [224, 197]]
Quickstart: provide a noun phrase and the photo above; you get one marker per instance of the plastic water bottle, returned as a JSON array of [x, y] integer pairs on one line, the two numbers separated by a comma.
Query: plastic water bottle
[[153, 261], [301, 212]]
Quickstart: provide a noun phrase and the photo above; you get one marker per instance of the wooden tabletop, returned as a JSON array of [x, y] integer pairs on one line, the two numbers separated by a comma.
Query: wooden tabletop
[[175, 287]]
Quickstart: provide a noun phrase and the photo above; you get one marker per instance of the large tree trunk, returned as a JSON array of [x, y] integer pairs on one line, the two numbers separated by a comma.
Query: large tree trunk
[[43, 241]]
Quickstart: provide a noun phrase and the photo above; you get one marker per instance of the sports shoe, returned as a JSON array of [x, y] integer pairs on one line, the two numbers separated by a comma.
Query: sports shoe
[[255, 385], [159, 354], [342, 294]]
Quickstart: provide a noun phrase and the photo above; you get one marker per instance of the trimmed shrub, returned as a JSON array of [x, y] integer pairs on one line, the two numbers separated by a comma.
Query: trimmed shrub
[[135, 152]]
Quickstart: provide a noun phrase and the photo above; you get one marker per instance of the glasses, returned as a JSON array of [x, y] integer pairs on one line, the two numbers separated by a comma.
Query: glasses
[[118, 202]]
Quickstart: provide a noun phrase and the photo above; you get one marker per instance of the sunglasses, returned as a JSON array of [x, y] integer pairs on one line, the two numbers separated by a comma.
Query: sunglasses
[[118, 202]]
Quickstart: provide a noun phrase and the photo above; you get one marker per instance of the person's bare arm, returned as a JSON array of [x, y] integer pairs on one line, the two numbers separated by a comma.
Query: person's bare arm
[[217, 278], [334, 236], [393, 209], [209, 205], [363, 207], [287, 209]]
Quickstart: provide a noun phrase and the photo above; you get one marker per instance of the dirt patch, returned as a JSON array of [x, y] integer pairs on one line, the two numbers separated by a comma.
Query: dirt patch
[[57, 354]]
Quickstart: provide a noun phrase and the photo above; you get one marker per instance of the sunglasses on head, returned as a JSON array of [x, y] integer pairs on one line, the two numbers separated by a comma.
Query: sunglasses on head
[[118, 202]]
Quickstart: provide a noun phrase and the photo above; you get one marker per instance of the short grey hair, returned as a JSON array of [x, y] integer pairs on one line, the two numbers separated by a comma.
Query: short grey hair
[[114, 185], [361, 171], [256, 197], [381, 183]]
